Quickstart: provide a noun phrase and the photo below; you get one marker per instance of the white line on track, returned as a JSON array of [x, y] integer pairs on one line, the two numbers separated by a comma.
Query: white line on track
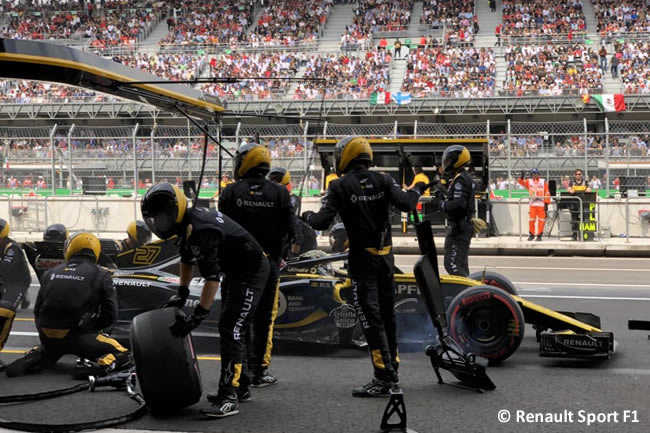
[[585, 285], [535, 268], [597, 298], [536, 290], [23, 334]]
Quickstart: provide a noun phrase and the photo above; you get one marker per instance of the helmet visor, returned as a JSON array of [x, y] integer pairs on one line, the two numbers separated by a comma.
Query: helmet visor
[[161, 224]]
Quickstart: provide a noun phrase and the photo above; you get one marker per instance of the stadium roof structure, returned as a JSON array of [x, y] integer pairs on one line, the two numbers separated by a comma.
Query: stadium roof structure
[[43, 61]]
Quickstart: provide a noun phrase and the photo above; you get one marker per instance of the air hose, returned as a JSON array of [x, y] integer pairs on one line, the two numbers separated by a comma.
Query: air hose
[[122, 380]]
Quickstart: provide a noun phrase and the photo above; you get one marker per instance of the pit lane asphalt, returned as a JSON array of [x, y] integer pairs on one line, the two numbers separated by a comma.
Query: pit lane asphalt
[[313, 393]]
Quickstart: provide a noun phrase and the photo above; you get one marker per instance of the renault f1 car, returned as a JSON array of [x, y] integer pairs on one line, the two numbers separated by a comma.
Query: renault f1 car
[[485, 314]]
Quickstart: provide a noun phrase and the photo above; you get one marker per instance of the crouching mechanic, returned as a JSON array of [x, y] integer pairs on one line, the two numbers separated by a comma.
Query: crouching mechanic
[[363, 199], [217, 245], [75, 303], [459, 207], [138, 234], [14, 270]]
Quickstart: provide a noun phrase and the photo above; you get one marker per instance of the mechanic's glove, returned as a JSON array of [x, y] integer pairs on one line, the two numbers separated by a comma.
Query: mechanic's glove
[[184, 323], [178, 300], [306, 215], [478, 224], [420, 187]]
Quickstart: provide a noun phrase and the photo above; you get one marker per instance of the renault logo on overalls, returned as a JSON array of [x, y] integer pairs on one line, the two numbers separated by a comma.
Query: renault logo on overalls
[[239, 202], [353, 198]]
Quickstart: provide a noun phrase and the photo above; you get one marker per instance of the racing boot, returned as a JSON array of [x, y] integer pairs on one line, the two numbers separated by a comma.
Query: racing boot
[[375, 388], [226, 405], [25, 302], [32, 362], [243, 395], [530, 237], [538, 238], [262, 379]]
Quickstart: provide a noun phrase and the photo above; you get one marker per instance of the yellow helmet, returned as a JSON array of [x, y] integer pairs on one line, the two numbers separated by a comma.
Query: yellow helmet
[[280, 175], [163, 208], [139, 232], [455, 157], [82, 243], [4, 229], [249, 157], [350, 149]]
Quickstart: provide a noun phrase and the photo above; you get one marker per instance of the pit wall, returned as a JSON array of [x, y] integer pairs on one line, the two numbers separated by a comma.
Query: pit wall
[[113, 214]]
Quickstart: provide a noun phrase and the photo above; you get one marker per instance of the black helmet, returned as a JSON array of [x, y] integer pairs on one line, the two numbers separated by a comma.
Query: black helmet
[[163, 208], [455, 157], [251, 158], [338, 238], [280, 175], [350, 149], [55, 233], [138, 232]]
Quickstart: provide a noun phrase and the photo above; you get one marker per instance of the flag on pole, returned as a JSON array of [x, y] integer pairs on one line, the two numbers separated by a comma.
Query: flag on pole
[[402, 98], [380, 98], [609, 103]]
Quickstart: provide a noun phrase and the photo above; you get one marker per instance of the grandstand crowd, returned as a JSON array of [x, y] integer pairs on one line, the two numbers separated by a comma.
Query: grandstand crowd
[[545, 50]]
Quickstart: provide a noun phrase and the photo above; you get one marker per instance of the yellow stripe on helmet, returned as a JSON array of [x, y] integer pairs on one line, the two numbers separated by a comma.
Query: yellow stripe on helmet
[[253, 158], [463, 158], [182, 204], [80, 242], [353, 147]]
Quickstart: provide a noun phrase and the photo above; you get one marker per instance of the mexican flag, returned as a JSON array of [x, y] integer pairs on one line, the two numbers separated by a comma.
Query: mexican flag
[[608, 103], [380, 98]]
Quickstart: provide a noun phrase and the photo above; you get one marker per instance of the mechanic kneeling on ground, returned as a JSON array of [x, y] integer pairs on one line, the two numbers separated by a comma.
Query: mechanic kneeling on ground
[[309, 238], [363, 198], [218, 245], [14, 270], [75, 303], [459, 207], [138, 234]]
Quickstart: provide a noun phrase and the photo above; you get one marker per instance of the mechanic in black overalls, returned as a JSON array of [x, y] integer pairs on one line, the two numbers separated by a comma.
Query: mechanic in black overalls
[[309, 242], [218, 246], [138, 234], [363, 199], [264, 209], [75, 303], [459, 207], [14, 270]]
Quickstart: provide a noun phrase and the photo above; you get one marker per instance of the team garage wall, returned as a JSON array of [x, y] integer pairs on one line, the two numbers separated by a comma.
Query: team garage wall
[[113, 214]]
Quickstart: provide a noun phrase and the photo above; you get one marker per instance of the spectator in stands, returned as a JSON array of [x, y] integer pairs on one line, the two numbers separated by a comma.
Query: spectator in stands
[[457, 72], [594, 183], [602, 58], [397, 48], [614, 66]]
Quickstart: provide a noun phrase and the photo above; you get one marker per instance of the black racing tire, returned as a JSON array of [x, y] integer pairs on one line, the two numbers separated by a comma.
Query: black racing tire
[[166, 366], [495, 279], [486, 321]]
